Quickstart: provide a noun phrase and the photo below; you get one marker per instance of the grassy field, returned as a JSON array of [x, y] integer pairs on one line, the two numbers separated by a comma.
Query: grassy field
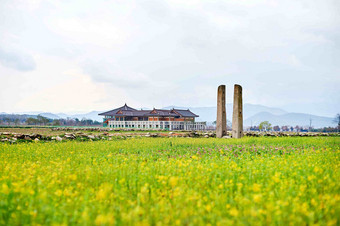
[[171, 181]]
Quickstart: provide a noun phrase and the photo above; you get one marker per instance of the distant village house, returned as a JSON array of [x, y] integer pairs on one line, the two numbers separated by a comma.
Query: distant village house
[[174, 119]]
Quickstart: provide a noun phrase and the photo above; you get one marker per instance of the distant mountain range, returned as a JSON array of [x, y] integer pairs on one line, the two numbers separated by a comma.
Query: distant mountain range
[[253, 114], [91, 115], [208, 114], [291, 119]]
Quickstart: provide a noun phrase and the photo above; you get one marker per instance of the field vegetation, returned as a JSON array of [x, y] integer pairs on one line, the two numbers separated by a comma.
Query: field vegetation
[[171, 181]]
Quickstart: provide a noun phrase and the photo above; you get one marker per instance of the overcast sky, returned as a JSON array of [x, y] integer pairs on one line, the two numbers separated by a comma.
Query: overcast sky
[[78, 56]]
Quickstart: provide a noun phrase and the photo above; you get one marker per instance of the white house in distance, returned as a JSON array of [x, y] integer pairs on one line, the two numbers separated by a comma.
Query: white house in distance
[[174, 119]]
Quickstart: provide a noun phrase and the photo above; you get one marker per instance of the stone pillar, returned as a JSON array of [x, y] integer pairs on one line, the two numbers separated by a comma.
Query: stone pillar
[[237, 130], [221, 120]]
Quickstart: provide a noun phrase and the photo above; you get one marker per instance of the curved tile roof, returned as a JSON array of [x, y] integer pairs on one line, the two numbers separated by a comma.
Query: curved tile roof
[[114, 111], [129, 111]]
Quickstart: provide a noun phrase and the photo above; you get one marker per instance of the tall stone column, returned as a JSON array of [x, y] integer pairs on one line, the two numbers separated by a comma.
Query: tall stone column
[[237, 127], [221, 120]]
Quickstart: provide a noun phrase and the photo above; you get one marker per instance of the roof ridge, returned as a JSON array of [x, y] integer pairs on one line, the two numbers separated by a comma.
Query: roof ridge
[[161, 112]]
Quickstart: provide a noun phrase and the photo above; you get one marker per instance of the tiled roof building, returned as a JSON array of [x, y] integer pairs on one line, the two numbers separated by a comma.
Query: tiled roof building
[[128, 117]]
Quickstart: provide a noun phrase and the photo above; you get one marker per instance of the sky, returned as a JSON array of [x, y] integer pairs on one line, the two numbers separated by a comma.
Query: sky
[[79, 56]]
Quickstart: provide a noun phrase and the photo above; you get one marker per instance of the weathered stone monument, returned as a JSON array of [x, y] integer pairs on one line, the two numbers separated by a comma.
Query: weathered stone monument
[[237, 124], [221, 120]]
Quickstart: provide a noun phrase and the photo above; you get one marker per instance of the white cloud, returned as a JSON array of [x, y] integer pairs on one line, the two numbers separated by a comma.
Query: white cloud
[[73, 95], [152, 53], [17, 60]]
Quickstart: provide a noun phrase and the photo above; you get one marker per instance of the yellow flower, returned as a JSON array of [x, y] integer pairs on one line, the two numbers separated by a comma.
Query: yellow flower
[[332, 222], [256, 187], [257, 198], [310, 178], [145, 189], [173, 181], [139, 211], [103, 191], [234, 212], [58, 192], [85, 215], [122, 181], [33, 213], [30, 191], [73, 177], [303, 188], [276, 177], [5, 189], [104, 219], [253, 212]]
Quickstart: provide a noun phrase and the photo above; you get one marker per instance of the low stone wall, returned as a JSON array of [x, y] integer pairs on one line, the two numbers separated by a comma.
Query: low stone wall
[[107, 134], [288, 134]]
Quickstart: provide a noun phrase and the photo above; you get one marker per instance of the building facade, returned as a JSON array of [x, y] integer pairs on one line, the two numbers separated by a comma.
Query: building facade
[[174, 119]]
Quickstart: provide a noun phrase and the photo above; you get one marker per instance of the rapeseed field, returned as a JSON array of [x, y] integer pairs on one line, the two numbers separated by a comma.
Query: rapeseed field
[[171, 181]]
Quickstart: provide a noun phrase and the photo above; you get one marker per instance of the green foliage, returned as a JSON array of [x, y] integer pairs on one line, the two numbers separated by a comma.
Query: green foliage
[[42, 120], [32, 121], [265, 126], [56, 122], [337, 120], [177, 181]]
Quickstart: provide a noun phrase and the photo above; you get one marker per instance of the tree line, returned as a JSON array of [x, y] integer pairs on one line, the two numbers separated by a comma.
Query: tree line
[[44, 121], [267, 126]]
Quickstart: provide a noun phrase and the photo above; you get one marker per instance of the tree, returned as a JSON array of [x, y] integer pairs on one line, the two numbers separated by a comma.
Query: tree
[[31, 121], [265, 126], [337, 121], [42, 120], [297, 128], [285, 128], [56, 122], [16, 121], [229, 124], [8, 120], [310, 124], [276, 128], [96, 123], [77, 121]]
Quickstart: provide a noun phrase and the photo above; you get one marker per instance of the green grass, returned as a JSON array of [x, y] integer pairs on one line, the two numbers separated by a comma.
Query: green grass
[[171, 181]]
